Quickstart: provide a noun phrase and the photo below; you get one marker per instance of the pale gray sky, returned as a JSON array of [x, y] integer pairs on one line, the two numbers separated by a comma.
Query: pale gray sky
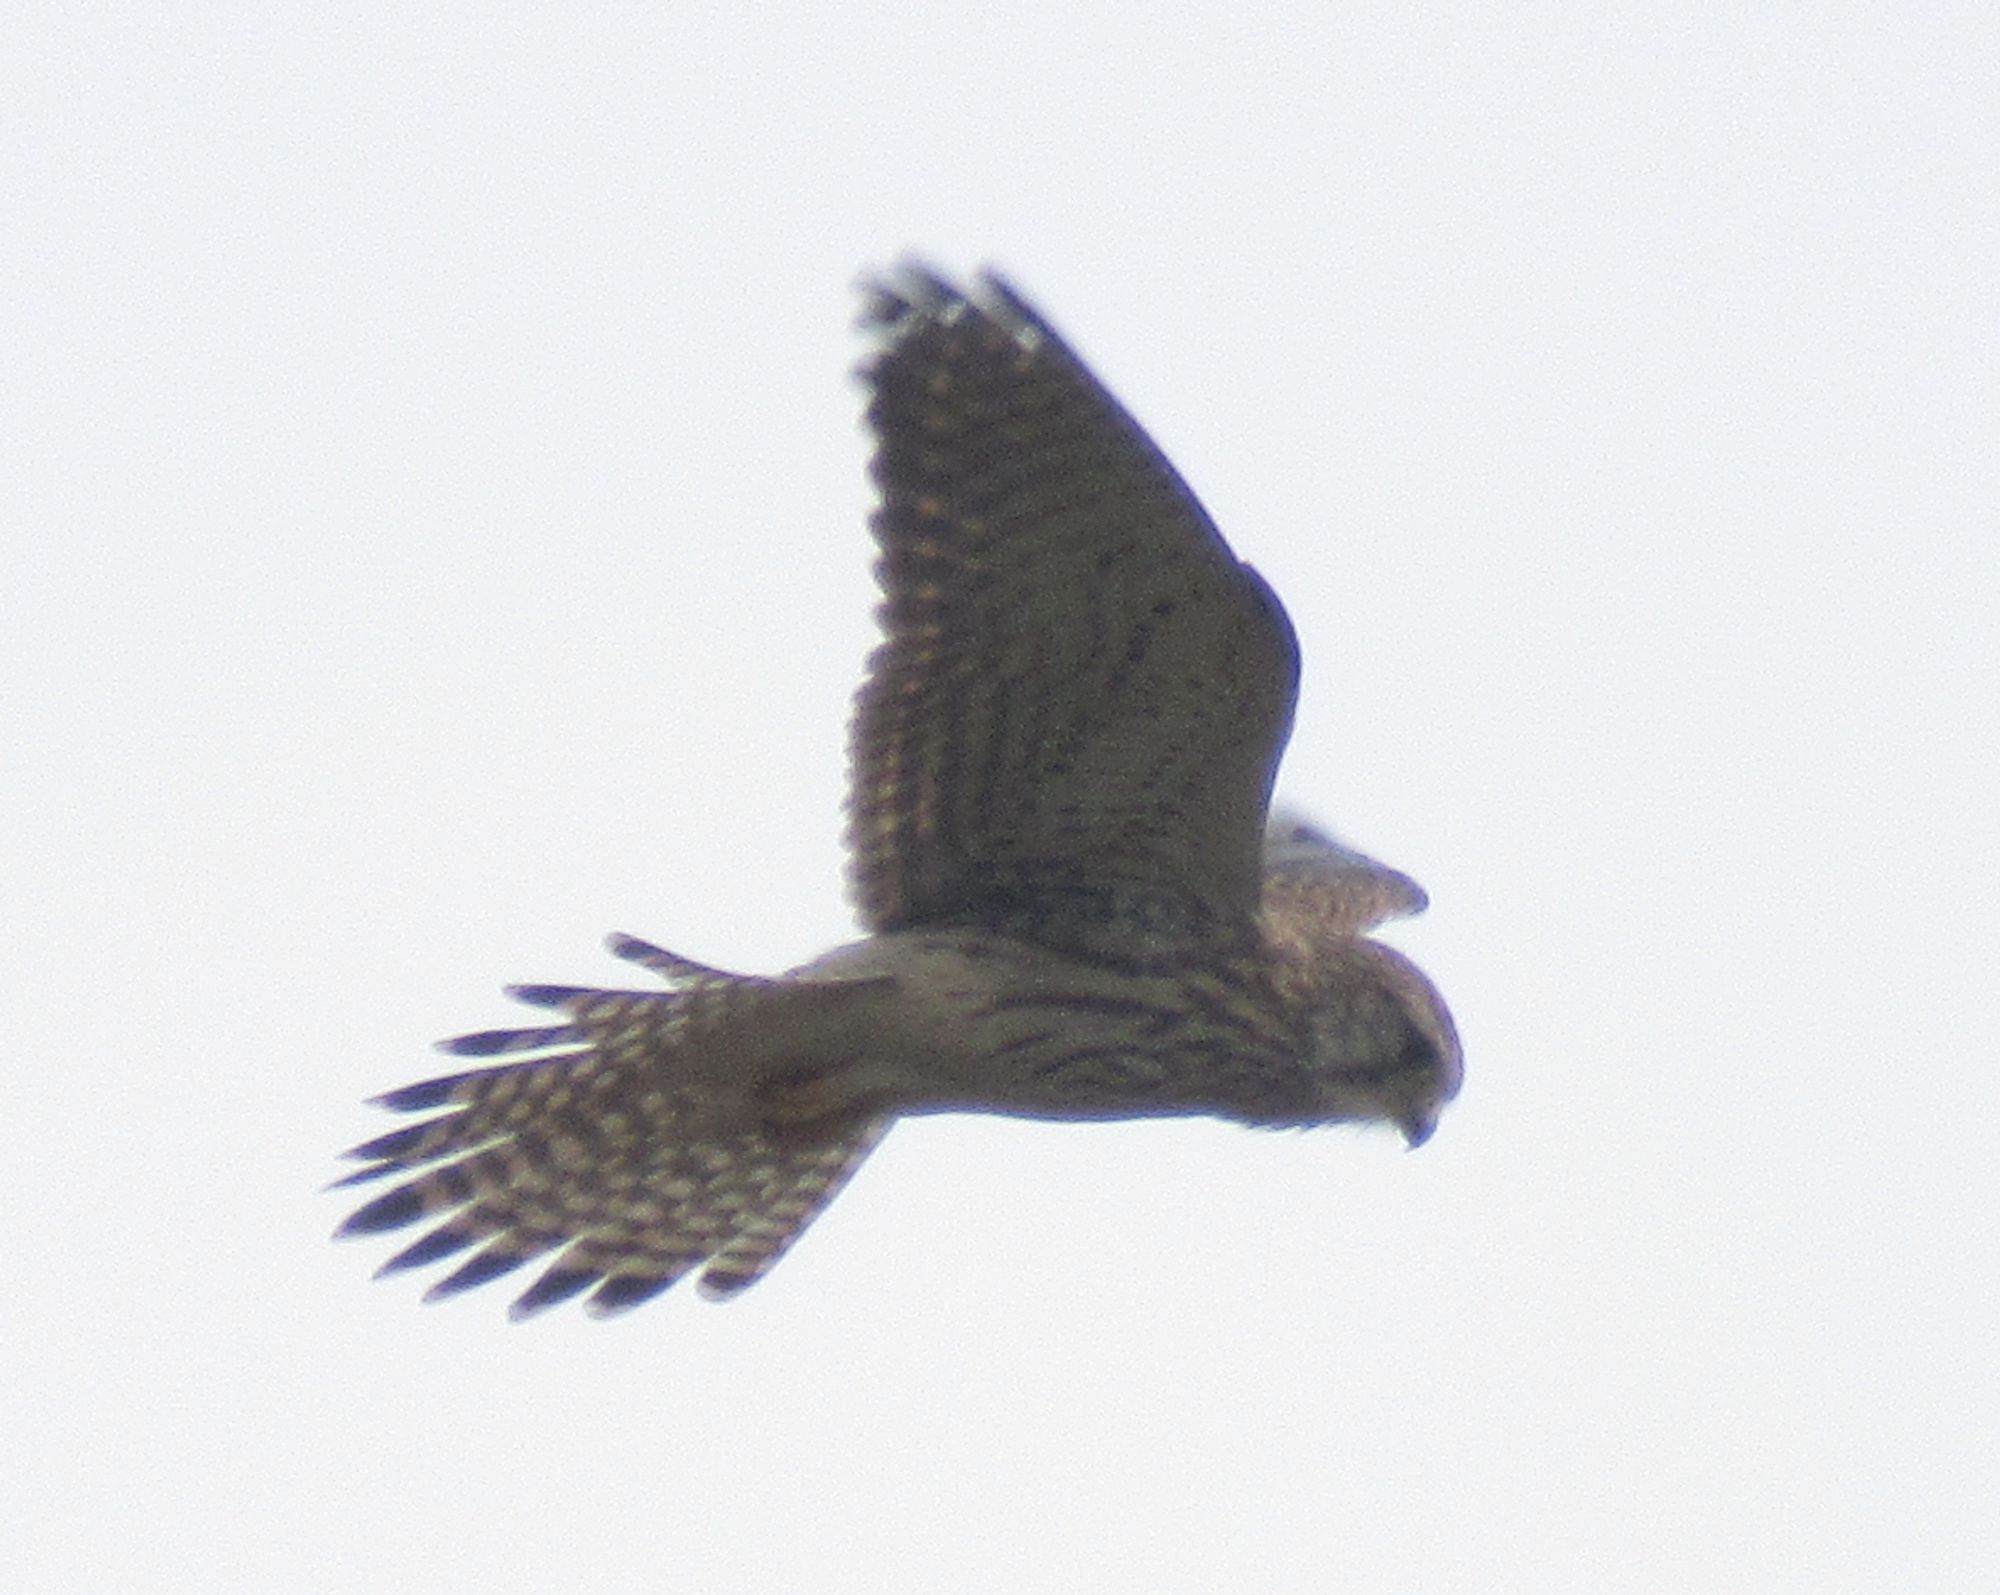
[[431, 536]]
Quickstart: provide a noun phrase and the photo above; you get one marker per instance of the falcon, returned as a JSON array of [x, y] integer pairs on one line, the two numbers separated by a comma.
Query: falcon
[[1077, 905]]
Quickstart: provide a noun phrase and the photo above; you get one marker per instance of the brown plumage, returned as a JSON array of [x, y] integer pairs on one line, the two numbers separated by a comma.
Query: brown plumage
[[1062, 760]]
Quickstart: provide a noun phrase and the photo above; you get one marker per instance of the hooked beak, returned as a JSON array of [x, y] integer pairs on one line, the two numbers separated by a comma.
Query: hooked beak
[[1418, 1126]]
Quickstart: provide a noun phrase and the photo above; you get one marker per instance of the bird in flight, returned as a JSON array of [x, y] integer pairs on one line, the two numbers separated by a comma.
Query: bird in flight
[[1077, 903]]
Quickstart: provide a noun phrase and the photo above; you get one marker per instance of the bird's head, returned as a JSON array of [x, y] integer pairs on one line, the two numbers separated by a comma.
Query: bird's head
[[1382, 1044]]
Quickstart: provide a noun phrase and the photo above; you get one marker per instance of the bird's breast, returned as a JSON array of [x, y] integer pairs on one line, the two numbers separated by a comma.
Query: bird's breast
[[982, 1023]]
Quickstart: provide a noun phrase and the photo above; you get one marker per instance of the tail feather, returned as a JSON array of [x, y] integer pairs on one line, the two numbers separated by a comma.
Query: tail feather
[[447, 1240], [432, 1093], [670, 967], [630, 1151], [498, 1258]]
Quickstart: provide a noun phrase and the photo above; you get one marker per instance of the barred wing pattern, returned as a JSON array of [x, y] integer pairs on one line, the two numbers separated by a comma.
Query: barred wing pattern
[[1081, 686], [1062, 758]]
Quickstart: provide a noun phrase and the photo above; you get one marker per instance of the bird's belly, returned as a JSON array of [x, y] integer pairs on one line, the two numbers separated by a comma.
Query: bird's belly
[[982, 1023]]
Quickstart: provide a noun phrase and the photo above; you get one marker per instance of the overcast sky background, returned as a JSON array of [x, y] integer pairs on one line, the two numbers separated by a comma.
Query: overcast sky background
[[433, 537]]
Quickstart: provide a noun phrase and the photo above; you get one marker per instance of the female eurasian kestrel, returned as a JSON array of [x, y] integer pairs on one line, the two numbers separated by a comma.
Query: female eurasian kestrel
[[1075, 903]]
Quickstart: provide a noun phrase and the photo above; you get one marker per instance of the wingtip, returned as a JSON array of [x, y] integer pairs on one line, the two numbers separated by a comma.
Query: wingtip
[[906, 290], [913, 289]]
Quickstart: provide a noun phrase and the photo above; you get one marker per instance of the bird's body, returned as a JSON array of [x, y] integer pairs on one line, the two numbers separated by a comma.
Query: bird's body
[[970, 1022], [1062, 765]]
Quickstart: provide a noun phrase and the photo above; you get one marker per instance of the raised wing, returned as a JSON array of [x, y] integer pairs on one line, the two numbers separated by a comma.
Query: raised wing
[[1316, 887], [1083, 693]]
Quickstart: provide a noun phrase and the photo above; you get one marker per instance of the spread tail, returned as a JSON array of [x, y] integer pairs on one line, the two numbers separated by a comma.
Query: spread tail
[[627, 1146]]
